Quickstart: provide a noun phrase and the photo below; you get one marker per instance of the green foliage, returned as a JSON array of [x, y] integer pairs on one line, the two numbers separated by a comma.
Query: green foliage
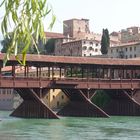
[[105, 41], [27, 16], [6, 43], [50, 46], [101, 98], [106, 32]]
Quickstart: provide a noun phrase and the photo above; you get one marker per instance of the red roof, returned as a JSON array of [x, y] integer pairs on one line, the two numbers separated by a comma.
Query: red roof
[[54, 35], [46, 59], [127, 44], [7, 68]]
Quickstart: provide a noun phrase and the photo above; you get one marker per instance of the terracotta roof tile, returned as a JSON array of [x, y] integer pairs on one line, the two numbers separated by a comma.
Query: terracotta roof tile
[[7, 68], [45, 59], [127, 44], [54, 35]]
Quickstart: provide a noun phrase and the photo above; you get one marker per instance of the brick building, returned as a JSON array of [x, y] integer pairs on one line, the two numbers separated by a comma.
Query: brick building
[[131, 34], [79, 40], [79, 29], [81, 47]]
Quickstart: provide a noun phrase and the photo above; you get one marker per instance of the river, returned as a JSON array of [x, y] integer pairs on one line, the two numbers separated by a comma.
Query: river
[[68, 128]]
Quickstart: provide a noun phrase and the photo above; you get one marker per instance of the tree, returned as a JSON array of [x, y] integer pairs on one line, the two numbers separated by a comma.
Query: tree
[[107, 36], [50, 46], [6, 42], [47, 48], [26, 17], [105, 41]]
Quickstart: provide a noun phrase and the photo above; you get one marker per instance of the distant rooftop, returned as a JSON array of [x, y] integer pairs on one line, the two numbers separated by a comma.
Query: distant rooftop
[[127, 44], [77, 19], [54, 35]]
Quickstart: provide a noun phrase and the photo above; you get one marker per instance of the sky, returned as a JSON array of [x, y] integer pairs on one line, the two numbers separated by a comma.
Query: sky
[[112, 14]]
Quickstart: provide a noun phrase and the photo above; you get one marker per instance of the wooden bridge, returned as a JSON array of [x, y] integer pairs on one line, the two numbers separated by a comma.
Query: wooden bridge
[[82, 77]]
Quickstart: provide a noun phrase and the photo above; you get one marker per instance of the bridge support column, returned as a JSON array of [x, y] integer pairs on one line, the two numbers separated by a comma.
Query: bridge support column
[[122, 103], [80, 105], [33, 105]]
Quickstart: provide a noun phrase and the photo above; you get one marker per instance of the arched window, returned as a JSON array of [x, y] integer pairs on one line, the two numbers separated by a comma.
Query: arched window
[[84, 47], [90, 48]]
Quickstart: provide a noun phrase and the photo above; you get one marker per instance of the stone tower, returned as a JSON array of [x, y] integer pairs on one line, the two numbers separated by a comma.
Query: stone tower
[[76, 28]]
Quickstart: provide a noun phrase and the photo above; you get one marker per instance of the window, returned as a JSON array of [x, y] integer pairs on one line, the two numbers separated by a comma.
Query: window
[[116, 50], [111, 51], [96, 50], [91, 43], [126, 56], [96, 44], [90, 48], [90, 54], [130, 48], [136, 75], [84, 54], [135, 55], [53, 97], [78, 48], [57, 103], [84, 47], [79, 29], [130, 56], [62, 96], [134, 48], [126, 49]]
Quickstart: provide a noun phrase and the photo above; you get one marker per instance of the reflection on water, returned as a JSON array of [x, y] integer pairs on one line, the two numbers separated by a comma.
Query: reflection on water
[[114, 128]]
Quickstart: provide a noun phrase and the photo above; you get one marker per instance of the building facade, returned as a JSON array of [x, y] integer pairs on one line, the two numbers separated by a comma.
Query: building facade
[[131, 34], [6, 99], [76, 27], [128, 35], [81, 47], [125, 51], [80, 41], [79, 29]]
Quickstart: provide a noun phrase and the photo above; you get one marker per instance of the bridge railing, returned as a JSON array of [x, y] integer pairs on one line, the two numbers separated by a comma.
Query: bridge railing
[[78, 82], [69, 79]]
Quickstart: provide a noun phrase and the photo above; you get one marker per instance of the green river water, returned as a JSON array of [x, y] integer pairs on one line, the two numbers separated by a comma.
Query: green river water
[[68, 128]]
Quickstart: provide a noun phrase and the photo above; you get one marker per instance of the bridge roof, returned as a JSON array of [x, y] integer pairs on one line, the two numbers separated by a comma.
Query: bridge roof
[[46, 59]]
